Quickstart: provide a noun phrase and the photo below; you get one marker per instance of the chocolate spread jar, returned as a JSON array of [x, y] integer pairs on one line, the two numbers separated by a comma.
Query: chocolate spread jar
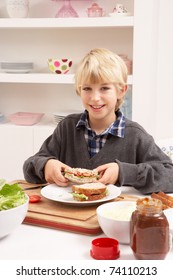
[[149, 230]]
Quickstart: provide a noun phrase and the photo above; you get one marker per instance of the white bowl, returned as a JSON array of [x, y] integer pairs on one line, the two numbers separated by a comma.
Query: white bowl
[[114, 219], [10, 219], [25, 118]]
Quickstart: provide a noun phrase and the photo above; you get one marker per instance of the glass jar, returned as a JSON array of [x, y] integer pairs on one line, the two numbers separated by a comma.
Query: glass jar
[[95, 11], [149, 230]]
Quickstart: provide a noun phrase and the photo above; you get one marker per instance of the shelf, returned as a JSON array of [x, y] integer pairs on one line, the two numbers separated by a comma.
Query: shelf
[[43, 78], [66, 22], [37, 78]]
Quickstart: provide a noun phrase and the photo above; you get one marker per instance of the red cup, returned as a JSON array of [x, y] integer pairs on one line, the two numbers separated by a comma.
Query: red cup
[[105, 249]]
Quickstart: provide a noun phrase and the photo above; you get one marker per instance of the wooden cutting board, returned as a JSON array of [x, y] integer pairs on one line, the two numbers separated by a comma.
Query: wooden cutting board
[[56, 215]]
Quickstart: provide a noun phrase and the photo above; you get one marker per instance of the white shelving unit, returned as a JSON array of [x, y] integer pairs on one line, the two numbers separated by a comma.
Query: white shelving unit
[[65, 27], [42, 90]]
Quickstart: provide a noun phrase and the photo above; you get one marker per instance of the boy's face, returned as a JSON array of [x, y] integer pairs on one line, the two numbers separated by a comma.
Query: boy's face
[[100, 100]]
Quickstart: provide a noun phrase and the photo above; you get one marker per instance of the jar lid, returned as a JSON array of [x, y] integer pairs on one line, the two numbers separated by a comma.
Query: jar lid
[[149, 205], [105, 249]]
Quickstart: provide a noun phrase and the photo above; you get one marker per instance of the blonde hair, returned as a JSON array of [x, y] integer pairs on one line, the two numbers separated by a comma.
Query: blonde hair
[[101, 66]]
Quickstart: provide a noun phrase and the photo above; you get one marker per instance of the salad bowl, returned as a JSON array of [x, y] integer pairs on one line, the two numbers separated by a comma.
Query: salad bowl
[[13, 208]]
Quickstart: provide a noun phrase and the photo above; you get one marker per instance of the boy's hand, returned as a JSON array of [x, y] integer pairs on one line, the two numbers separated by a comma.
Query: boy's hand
[[53, 172], [109, 173]]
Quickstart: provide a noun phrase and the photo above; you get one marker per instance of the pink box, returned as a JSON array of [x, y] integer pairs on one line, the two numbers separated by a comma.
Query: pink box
[[25, 118]]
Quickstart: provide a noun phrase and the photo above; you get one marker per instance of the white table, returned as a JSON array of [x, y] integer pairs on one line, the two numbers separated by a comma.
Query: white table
[[38, 243]]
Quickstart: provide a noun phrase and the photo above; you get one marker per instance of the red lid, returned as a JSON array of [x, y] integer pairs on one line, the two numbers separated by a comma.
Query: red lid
[[105, 249]]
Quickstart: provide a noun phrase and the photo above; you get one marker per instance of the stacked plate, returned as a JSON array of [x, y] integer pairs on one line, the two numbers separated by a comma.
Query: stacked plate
[[1, 117], [16, 67], [58, 116]]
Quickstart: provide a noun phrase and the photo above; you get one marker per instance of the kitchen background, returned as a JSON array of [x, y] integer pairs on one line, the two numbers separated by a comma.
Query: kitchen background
[[37, 47], [143, 36]]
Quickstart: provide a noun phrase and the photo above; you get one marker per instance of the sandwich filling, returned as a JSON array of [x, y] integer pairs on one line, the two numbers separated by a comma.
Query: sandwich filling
[[81, 196], [89, 191], [81, 175]]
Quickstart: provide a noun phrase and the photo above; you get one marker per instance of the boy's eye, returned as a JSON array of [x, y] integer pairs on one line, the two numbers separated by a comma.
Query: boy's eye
[[105, 88], [86, 88]]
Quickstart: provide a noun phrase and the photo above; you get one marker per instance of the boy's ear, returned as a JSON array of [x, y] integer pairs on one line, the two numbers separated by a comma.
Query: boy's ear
[[122, 91]]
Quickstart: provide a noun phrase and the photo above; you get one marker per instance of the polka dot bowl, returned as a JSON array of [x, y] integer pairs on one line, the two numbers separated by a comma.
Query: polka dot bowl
[[59, 65]]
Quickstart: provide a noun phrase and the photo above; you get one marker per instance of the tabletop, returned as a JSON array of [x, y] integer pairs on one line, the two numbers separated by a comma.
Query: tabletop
[[38, 243]]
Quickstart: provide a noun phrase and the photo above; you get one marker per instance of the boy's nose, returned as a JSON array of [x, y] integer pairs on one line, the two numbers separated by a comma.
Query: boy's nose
[[96, 95]]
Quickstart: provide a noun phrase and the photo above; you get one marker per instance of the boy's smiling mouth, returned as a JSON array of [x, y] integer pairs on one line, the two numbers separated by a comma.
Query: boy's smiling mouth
[[97, 107]]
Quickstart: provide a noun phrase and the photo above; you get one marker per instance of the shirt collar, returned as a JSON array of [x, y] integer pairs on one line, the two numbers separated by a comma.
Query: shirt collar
[[117, 128]]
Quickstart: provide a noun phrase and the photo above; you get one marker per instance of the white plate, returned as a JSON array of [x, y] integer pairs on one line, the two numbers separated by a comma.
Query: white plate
[[16, 70], [63, 194], [16, 63]]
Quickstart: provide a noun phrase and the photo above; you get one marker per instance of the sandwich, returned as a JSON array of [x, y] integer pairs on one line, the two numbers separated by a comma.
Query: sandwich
[[81, 175], [89, 191]]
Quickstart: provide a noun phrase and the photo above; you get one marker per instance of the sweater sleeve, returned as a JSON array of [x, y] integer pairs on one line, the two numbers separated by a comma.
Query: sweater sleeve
[[33, 167], [153, 171]]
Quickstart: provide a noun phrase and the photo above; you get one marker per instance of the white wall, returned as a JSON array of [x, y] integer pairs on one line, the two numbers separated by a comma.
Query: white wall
[[144, 64], [152, 67], [164, 87]]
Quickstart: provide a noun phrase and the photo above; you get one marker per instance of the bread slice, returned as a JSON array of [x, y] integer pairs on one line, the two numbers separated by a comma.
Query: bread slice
[[89, 191], [166, 199]]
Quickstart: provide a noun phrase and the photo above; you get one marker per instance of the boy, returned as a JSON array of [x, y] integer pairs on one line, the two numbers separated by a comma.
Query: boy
[[101, 137]]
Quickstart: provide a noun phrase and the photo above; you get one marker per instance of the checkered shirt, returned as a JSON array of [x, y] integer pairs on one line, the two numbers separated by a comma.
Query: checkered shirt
[[95, 141]]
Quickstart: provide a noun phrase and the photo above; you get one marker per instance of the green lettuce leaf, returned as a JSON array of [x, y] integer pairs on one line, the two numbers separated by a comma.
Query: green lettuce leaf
[[11, 196]]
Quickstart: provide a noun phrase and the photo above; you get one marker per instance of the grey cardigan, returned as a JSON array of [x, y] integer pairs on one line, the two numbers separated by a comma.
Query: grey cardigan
[[141, 162]]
